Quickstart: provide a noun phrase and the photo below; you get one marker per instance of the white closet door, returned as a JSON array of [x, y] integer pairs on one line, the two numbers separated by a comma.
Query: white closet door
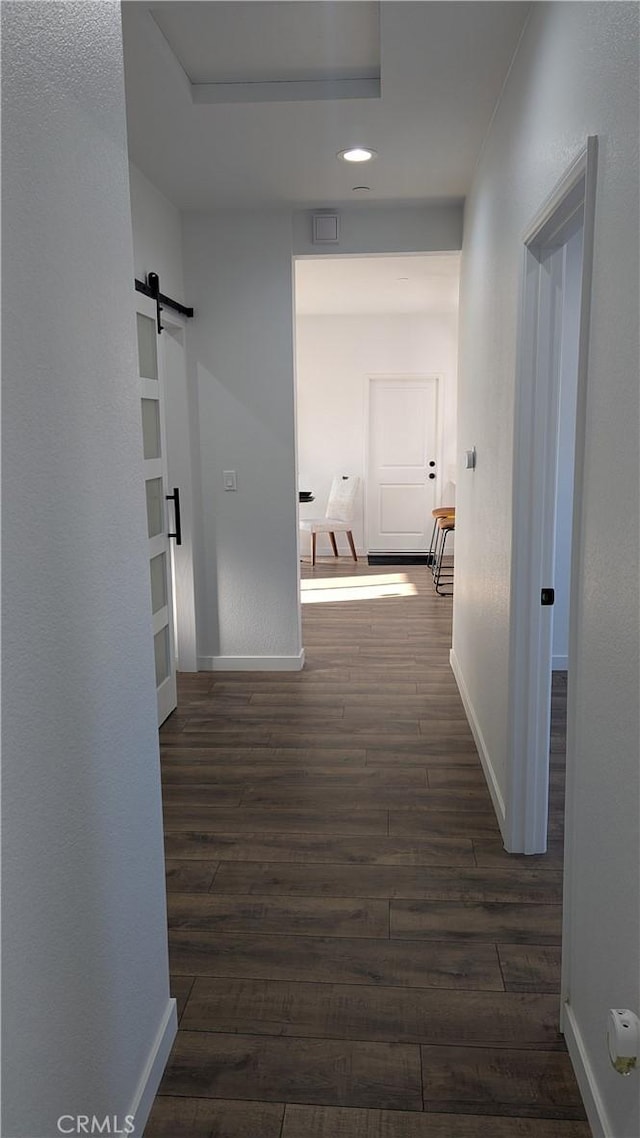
[[160, 512], [402, 474]]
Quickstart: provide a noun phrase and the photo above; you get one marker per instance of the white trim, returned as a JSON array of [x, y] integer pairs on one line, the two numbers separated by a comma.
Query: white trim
[[559, 663], [530, 647], [533, 511], [251, 663], [483, 751], [180, 433], [593, 1103], [149, 1082], [572, 866], [296, 449], [559, 202]]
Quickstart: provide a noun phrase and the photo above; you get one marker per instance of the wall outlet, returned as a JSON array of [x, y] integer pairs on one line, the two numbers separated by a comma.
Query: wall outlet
[[623, 1039]]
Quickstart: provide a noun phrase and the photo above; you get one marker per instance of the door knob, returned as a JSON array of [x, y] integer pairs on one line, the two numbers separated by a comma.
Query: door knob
[[432, 475]]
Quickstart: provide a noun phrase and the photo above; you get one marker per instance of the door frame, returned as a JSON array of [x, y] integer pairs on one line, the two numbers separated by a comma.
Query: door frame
[[533, 520], [370, 378]]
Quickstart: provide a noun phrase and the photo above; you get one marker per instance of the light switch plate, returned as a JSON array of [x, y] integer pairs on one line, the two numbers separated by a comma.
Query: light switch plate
[[229, 480]]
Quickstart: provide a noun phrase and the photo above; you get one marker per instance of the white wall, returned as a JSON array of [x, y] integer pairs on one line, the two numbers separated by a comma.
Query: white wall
[[85, 980], [335, 355], [157, 236], [575, 74], [378, 228], [239, 275]]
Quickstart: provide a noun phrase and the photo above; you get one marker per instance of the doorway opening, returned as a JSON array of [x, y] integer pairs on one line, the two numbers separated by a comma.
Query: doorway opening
[[376, 368], [549, 441]]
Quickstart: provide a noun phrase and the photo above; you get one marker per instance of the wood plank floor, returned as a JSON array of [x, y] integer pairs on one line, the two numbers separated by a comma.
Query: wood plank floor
[[353, 953]]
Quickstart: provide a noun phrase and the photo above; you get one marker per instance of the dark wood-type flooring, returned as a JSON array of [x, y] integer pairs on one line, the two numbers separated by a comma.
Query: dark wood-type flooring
[[353, 953]]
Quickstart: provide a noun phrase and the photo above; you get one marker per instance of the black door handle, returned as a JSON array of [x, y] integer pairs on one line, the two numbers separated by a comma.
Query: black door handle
[[432, 475], [175, 498]]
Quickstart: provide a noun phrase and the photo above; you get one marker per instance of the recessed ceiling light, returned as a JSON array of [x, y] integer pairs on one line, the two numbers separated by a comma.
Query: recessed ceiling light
[[357, 154], [402, 278], [361, 188]]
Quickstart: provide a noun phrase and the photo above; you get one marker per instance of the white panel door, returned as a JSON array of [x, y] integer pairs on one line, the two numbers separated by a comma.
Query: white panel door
[[155, 480], [402, 466]]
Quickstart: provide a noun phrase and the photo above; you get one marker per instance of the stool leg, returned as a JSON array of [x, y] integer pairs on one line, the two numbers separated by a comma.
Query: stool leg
[[332, 539], [436, 550], [430, 551], [352, 545], [436, 572], [438, 576], [313, 548]]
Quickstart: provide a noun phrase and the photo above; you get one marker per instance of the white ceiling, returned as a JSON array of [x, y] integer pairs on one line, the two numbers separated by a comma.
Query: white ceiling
[[349, 286], [442, 66], [231, 42]]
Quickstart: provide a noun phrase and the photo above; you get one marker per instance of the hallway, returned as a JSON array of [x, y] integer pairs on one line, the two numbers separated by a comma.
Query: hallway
[[353, 953]]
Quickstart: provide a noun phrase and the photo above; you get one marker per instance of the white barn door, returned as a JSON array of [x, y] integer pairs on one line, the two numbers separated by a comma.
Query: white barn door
[[158, 508], [402, 475]]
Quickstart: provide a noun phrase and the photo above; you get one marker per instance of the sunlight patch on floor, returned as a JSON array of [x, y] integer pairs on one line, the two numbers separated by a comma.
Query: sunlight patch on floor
[[356, 588]]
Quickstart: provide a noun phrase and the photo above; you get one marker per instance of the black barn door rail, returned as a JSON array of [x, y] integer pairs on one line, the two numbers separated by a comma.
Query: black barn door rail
[[151, 288]]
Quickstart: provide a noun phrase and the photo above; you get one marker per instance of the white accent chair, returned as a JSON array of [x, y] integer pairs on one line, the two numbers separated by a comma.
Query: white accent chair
[[338, 516]]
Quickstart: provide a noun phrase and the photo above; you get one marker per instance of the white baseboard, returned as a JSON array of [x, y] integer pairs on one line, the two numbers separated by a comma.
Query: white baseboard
[[251, 663], [560, 663], [591, 1097], [485, 758], [147, 1088]]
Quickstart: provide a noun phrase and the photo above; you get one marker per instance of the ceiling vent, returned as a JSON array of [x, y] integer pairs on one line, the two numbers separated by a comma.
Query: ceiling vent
[[326, 228]]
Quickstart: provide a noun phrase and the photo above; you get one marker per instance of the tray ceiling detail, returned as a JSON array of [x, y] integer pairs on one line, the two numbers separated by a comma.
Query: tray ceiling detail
[[275, 52]]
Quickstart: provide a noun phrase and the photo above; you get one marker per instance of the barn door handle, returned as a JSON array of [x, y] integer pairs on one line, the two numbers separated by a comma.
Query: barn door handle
[[175, 498], [153, 283]]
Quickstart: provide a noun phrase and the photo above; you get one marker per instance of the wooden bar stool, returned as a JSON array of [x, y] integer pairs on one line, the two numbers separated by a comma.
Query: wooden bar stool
[[439, 512], [442, 574]]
